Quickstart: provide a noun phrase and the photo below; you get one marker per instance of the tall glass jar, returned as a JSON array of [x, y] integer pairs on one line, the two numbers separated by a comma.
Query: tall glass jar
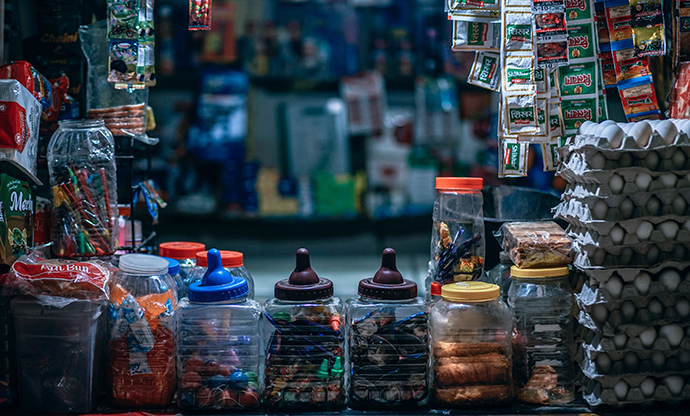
[[142, 332], [457, 238], [500, 274], [305, 346], [185, 253], [388, 341], [233, 262], [219, 344], [471, 338], [81, 163], [542, 302]]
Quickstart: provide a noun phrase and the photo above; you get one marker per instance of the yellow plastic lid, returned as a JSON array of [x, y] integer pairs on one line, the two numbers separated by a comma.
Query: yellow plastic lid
[[470, 291], [539, 273]]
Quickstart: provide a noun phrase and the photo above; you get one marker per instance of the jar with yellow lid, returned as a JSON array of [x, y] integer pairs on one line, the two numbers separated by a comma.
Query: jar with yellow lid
[[471, 337], [542, 302]]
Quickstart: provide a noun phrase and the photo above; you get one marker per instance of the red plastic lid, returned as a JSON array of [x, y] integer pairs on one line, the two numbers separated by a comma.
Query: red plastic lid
[[459, 183], [180, 250], [436, 289], [229, 258]]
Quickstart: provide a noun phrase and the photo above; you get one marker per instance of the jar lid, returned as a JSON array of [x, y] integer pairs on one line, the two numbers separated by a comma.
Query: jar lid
[[436, 289], [143, 264], [303, 283], [229, 258], [387, 283], [173, 266], [539, 273], [470, 291], [217, 284], [180, 250], [446, 183]]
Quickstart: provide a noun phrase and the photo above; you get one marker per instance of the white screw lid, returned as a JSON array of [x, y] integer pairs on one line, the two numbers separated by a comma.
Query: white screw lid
[[143, 264]]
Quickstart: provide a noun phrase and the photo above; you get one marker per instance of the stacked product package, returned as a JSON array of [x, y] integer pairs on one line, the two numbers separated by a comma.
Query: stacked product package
[[627, 204]]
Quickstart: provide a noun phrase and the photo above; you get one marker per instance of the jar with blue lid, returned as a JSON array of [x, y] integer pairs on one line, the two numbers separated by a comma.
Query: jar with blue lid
[[219, 345], [174, 272]]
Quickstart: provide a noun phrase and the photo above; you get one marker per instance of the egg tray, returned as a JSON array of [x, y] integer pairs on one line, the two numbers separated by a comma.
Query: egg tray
[[628, 143], [629, 274], [591, 295], [609, 380], [629, 339], [589, 256], [596, 394], [594, 363], [655, 181], [595, 154], [606, 235], [642, 320], [591, 352], [616, 208]]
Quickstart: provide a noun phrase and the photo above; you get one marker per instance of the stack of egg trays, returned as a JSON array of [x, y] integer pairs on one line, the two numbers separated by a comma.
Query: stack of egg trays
[[627, 213]]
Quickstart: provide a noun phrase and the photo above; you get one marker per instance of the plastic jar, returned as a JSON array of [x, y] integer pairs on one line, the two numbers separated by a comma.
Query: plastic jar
[[388, 341], [174, 272], [305, 357], [233, 262], [142, 332], [500, 274], [457, 238], [185, 253], [471, 333], [435, 293], [81, 163], [542, 302], [218, 341]]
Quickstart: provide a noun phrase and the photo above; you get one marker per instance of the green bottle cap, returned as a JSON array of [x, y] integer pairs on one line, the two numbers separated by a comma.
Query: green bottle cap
[[337, 369], [322, 372]]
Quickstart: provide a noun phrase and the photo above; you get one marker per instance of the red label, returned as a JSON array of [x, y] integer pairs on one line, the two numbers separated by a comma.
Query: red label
[[584, 113], [14, 128], [578, 79], [65, 272], [576, 4], [579, 41]]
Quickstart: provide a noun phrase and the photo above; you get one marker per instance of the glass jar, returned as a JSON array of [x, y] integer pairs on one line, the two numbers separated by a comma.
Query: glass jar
[[185, 253], [471, 338], [457, 238], [304, 343], [174, 272], [500, 274], [81, 163], [542, 302], [233, 262], [218, 343], [142, 332], [388, 341]]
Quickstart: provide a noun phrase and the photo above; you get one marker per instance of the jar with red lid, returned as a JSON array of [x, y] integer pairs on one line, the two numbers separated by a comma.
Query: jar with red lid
[[457, 238], [233, 262], [185, 253], [305, 345], [388, 341]]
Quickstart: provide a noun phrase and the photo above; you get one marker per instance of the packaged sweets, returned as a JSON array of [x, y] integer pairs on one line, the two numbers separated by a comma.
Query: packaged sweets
[[218, 342], [472, 360], [124, 120], [388, 341], [16, 233], [142, 333], [305, 361], [536, 244]]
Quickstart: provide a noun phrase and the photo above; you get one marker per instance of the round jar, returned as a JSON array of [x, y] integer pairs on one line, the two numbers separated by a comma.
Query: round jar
[[174, 272], [233, 262], [388, 341], [185, 253], [457, 238], [218, 360], [542, 302], [471, 334], [81, 163], [305, 344], [142, 332]]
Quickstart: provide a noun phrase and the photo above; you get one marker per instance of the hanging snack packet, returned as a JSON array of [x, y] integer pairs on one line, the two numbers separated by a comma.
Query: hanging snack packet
[[518, 73], [520, 113], [647, 23], [581, 41], [512, 160], [639, 99], [543, 133], [552, 54], [549, 26], [474, 36], [549, 152], [199, 14], [578, 79], [618, 21], [123, 17], [608, 69], [602, 28], [517, 31], [679, 102], [556, 126], [542, 81], [602, 106], [628, 67], [682, 31], [655, 115], [577, 111], [146, 69], [123, 61], [578, 10], [554, 91], [485, 71], [474, 4]]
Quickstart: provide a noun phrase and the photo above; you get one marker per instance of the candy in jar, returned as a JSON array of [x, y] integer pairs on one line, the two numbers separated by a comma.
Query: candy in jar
[[185, 253], [388, 341], [304, 342], [218, 342], [142, 332]]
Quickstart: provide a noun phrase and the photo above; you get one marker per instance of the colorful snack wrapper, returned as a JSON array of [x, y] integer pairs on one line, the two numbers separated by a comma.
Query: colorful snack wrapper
[[552, 54], [556, 125], [473, 36], [520, 113], [682, 31], [517, 31], [618, 20], [578, 79], [486, 71], [581, 41], [512, 161], [679, 102], [576, 111], [549, 152], [647, 23], [578, 10], [199, 14], [602, 28], [544, 131], [550, 26], [639, 99], [629, 67], [518, 73], [542, 81], [608, 69]]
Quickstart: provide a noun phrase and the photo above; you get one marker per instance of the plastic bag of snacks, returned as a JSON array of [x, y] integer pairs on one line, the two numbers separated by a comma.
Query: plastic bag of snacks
[[535, 244]]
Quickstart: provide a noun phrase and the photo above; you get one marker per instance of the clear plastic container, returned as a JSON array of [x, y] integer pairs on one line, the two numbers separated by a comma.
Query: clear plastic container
[[542, 302], [185, 253], [233, 262], [8, 360], [471, 346], [81, 162], [457, 238], [305, 345], [142, 332], [500, 274], [59, 355], [388, 341], [174, 272], [218, 359]]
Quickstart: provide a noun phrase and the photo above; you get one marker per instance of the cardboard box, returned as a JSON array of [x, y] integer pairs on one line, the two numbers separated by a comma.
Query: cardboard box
[[16, 219]]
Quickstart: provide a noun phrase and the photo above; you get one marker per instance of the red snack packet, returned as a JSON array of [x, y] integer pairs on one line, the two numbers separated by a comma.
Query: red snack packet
[[31, 79]]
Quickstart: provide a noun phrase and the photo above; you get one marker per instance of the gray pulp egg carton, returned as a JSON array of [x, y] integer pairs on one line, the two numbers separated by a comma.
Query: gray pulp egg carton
[[631, 232], [597, 363], [647, 254], [628, 389], [592, 294], [638, 277], [632, 179], [586, 208], [630, 337]]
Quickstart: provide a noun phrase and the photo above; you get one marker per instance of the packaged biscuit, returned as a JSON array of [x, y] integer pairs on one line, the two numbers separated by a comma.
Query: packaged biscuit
[[486, 71], [520, 113], [474, 36], [512, 160], [639, 99], [618, 20]]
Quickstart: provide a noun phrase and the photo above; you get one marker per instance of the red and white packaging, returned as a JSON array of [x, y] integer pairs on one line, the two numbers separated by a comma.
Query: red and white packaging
[[679, 103], [20, 115]]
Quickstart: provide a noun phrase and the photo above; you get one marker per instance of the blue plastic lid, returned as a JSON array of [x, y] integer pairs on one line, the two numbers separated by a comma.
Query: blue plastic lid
[[217, 284], [173, 266]]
